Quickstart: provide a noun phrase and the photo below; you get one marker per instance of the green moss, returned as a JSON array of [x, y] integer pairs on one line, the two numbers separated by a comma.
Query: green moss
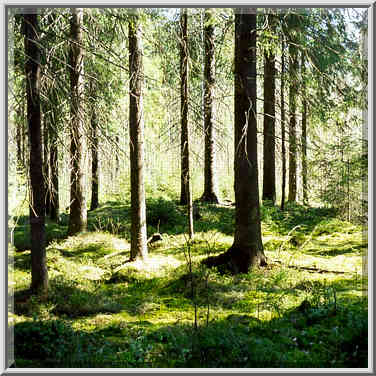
[[116, 313]]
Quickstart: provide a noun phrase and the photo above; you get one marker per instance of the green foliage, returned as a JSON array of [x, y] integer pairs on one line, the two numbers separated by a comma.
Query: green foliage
[[22, 240], [295, 215], [43, 340], [163, 212], [103, 311]]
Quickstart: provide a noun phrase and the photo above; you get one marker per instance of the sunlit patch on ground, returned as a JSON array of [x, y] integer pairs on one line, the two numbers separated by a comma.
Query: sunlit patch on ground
[[143, 313]]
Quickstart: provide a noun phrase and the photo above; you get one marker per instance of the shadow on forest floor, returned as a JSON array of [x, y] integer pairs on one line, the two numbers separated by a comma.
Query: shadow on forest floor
[[302, 337], [104, 311]]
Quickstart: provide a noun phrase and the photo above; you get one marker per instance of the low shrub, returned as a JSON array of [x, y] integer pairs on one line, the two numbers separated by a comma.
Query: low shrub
[[163, 212]]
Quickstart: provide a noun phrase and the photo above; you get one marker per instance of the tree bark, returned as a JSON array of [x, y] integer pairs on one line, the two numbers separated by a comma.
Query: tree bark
[[247, 249], [210, 186], [52, 116], [304, 134], [78, 210], [269, 122], [24, 135], [186, 195], [46, 167], [136, 142], [283, 126], [94, 161], [117, 161], [54, 173], [39, 274], [292, 124], [19, 130]]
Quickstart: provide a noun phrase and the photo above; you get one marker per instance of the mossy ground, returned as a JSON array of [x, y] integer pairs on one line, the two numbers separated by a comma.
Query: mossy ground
[[103, 311]]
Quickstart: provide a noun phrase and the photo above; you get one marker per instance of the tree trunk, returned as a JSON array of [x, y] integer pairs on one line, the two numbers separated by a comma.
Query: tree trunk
[[283, 127], [54, 173], [269, 122], [304, 135], [247, 249], [117, 161], [292, 125], [24, 136], [210, 187], [94, 161], [78, 211], [19, 130], [46, 167], [186, 195], [136, 142], [39, 274]]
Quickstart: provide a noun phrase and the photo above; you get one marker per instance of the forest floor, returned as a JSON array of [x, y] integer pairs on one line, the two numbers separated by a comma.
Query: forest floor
[[307, 308]]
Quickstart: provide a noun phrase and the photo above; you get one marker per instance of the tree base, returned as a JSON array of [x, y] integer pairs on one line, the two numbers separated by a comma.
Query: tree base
[[210, 198], [236, 260], [94, 205], [23, 297]]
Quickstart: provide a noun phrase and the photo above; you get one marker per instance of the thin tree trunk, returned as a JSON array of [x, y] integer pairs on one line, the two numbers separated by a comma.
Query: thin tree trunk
[[39, 274], [24, 133], [184, 108], [186, 195], [304, 135], [247, 249], [210, 186], [136, 142], [117, 161], [19, 130], [54, 173], [292, 125], [78, 210], [269, 122], [46, 168], [94, 161], [283, 126]]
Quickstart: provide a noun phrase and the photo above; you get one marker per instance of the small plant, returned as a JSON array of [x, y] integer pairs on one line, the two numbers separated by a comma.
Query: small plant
[[162, 212], [41, 340]]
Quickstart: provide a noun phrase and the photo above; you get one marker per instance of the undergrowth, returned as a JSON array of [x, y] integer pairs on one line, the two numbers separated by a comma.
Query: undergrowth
[[307, 308]]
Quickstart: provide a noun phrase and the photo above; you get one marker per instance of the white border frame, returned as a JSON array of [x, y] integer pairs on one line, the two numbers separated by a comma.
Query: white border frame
[[195, 3]]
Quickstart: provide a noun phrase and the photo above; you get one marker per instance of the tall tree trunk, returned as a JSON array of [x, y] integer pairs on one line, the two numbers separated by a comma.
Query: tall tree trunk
[[53, 117], [46, 168], [136, 142], [269, 122], [186, 195], [39, 274], [210, 187], [247, 249], [304, 134], [283, 126], [292, 125], [24, 136], [78, 210], [54, 173], [19, 130], [94, 161], [117, 161]]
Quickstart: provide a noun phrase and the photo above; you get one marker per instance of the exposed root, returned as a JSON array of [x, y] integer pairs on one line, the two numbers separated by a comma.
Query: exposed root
[[236, 260]]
